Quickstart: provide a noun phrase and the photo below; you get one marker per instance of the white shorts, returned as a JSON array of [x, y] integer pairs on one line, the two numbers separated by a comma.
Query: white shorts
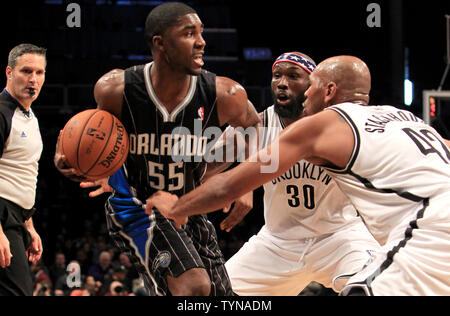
[[269, 266], [417, 264]]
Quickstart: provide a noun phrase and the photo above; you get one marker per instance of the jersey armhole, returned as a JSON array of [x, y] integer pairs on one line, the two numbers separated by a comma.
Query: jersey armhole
[[265, 120], [356, 147]]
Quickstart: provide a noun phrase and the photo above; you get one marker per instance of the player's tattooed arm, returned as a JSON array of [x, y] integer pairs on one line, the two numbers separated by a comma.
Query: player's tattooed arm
[[234, 109], [319, 137], [233, 105]]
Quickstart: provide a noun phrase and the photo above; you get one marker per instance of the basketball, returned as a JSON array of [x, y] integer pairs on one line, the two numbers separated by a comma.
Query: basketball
[[95, 143]]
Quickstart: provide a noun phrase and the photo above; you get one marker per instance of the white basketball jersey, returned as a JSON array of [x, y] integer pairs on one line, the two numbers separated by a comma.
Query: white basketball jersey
[[305, 201], [397, 164]]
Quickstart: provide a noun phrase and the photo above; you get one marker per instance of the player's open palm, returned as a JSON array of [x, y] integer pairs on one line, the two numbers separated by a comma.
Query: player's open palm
[[164, 202]]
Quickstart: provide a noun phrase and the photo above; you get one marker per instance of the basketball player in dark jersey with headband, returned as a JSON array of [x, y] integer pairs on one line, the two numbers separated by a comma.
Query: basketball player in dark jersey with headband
[[170, 96]]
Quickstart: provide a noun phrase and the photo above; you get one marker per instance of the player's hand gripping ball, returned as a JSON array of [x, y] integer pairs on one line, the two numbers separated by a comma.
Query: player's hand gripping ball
[[95, 143]]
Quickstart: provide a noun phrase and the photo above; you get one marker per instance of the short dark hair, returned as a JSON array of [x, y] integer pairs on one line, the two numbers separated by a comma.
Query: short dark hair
[[162, 17], [22, 49]]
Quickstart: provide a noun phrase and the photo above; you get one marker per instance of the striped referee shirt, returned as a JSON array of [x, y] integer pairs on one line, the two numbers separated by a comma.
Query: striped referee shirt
[[20, 150]]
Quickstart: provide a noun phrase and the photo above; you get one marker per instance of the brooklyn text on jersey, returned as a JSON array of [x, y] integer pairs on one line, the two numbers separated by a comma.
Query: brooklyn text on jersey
[[305, 170]]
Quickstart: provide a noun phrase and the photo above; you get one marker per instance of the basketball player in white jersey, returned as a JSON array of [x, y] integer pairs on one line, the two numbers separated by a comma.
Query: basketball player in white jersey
[[156, 101], [311, 231], [394, 168]]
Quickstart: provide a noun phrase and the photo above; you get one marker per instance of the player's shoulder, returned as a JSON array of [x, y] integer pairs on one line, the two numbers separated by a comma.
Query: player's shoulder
[[351, 111], [108, 91], [112, 77], [345, 105], [317, 124], [228, 87]]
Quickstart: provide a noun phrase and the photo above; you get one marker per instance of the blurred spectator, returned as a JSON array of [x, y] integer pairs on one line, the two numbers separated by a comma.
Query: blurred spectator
[[138, 288], [39, 274], [132, 273], [42, 285], [61, 287], [90, 288], [103, 270], [120, 274], [43, 288], [83, 260], [117, 289], [58, 268], [98, 248]]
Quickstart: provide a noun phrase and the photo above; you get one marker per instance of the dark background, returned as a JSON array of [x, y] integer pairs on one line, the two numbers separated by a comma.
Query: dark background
[[111, 36]]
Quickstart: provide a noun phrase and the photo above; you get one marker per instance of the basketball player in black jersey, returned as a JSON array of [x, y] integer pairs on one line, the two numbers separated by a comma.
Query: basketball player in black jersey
[[155, 102]]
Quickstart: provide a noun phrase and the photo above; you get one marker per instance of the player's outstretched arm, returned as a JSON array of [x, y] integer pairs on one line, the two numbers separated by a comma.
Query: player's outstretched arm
[[233, 105], [216, 193], [322, 137]]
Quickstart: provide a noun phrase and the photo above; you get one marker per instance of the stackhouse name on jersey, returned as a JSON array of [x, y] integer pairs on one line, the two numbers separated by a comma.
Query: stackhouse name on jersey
[[377, 123]]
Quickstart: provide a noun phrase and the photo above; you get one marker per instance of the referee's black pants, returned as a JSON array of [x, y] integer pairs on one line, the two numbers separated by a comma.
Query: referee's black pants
[[15, 280]]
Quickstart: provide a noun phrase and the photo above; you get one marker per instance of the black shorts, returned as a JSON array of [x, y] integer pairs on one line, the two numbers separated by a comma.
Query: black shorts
[[159, 249], [15, 280]]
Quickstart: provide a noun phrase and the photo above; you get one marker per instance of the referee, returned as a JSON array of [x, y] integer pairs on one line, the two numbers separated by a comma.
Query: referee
[[20, 151]]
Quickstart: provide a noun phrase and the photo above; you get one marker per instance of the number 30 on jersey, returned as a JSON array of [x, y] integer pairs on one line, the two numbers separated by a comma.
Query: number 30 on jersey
[[294, 199]]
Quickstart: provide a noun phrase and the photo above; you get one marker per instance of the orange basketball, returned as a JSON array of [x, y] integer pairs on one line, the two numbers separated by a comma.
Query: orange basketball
[[95, 143]]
